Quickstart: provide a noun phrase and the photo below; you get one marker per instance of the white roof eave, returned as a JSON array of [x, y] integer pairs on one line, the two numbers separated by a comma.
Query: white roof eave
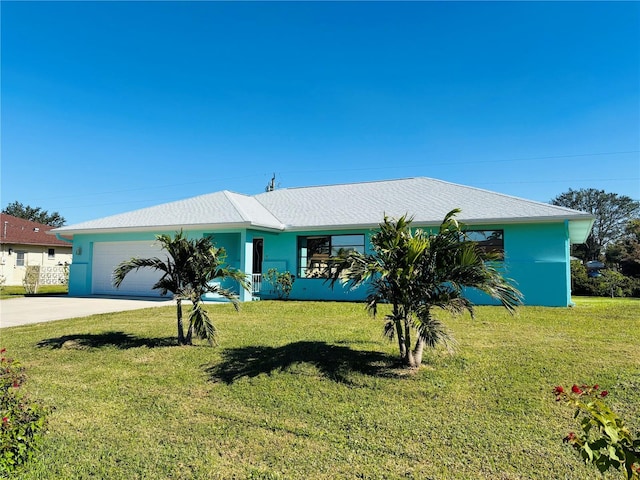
[[472, 221], [155, 228]]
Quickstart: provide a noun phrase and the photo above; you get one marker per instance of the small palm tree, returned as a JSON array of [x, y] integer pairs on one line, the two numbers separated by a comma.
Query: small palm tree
[[415, 272], [188, 271]]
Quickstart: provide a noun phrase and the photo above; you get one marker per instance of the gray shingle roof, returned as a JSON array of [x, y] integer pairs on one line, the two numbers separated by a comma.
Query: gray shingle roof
[[223, 208], [428, 200], [339, 206]]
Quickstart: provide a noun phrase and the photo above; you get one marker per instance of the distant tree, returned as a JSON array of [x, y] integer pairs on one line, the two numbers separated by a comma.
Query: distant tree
[[625, 253], [581, 284], [416, 272], [34, 214], [612, 282], [187, 273], [612, 212]]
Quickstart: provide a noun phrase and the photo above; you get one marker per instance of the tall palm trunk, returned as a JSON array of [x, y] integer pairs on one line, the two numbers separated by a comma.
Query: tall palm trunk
[[408, 354], [399, 333], [188, 340], [181, 340], [401, 345], [417, 353]]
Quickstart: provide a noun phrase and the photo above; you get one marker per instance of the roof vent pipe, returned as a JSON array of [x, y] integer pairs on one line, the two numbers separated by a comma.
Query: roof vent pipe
[[271, 186]]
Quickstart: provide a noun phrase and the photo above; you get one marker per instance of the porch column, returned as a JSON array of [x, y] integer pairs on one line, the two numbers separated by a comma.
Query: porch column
[[246, 261]]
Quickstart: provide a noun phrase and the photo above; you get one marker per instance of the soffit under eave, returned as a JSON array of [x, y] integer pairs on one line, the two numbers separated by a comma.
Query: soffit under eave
[[579, 230]]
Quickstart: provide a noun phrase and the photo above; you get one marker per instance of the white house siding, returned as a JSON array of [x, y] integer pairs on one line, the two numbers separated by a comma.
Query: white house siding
[[33, 255]]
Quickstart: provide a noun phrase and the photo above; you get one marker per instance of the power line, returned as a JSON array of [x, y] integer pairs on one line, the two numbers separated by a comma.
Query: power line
[[219, 180]]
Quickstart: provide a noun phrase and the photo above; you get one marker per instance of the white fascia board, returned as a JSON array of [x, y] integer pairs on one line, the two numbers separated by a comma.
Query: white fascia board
[[258, 226], [60, 236], [318, 228], [157, 228], [473, 221], [515, 220]]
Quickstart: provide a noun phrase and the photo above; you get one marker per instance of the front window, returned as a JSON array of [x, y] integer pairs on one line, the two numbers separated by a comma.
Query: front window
[[19, 259], [52, 253], [489, 241], [316, 254]]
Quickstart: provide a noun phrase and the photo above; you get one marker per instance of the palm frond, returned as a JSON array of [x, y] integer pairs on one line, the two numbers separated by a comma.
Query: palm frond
[[188, 272], [389, 329], [202, 324], [432, 331], [418, 270], [224, 292], [134, 264]]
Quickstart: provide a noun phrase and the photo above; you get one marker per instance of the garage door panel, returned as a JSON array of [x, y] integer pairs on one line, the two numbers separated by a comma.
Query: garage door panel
[[108, 255]]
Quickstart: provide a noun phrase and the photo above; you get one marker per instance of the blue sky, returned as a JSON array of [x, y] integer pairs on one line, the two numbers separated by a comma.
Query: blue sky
[[113, 106]]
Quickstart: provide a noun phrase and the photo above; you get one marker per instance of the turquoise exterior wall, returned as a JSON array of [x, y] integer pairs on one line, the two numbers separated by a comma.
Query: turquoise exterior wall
[[80, 271], [536, 258], [281, 252]]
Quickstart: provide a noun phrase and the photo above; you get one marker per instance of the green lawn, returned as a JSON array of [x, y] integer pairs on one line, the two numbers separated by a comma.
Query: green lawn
[[310, 390], [19, 291]]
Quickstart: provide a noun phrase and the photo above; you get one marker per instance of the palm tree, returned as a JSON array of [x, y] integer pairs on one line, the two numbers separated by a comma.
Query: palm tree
[[417, 271], [187, 273]]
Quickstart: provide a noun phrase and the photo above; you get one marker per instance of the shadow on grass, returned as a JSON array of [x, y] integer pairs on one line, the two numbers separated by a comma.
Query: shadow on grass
[[119, 340], [332, 361]]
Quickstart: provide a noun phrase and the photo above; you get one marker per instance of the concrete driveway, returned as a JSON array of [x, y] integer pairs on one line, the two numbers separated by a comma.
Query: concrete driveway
[[26, 310]]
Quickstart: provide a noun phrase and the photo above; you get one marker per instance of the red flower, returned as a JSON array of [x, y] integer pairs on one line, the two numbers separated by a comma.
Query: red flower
[[558, 390], [15, 384], [569, 437], [3, 350], [604, 393], [5, 420], [596, 386], [576, 389]]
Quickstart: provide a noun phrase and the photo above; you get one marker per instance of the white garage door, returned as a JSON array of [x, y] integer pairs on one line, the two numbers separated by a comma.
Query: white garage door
[[107, 255]]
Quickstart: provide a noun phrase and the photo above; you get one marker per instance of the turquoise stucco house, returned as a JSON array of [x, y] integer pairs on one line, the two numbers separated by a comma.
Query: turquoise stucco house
[[298, 229]]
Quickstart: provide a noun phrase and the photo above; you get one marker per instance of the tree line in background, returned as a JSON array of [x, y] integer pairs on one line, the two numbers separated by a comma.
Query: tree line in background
[[34, 214], [608, 263], [614, 241]]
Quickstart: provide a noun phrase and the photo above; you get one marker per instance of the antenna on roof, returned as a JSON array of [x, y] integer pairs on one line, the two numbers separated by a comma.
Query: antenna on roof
[[271, 186]]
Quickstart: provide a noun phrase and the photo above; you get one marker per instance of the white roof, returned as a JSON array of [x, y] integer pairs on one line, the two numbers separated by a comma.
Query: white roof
[[354, 205], [220, 210]]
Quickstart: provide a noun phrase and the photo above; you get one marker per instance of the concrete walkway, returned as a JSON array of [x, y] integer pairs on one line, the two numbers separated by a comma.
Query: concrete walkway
[[26, 310]]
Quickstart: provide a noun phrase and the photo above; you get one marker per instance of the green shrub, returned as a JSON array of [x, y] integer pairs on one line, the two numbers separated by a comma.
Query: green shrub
[[281, 283], [605, 441], [610, 284], [31, 280], [23, 421]]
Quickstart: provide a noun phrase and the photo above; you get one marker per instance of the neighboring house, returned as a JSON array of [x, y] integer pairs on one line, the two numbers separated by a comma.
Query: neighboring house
[[24, 243], [300, 229]]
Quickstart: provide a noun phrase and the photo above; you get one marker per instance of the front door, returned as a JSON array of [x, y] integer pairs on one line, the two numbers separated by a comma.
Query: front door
[[258, 255]]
